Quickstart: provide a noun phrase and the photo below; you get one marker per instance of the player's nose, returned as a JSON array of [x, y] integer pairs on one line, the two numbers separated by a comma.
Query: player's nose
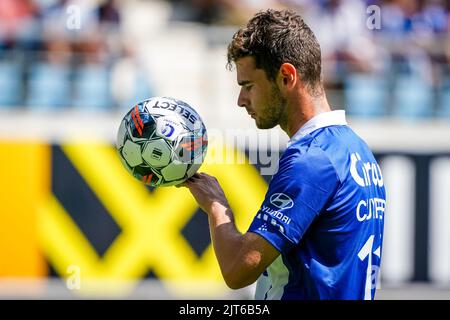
[[242, 100]]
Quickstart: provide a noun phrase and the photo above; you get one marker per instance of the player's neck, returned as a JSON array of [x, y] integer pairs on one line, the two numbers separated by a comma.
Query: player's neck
[[301, 110]]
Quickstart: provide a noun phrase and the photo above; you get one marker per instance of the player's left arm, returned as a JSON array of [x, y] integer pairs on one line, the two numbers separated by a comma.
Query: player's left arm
[[242, 257]]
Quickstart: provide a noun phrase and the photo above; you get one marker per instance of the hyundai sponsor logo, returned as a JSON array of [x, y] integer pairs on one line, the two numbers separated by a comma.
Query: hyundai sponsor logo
[[281, 201]]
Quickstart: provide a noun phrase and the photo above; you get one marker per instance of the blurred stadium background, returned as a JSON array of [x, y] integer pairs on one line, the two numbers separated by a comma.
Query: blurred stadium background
[[74, 225]]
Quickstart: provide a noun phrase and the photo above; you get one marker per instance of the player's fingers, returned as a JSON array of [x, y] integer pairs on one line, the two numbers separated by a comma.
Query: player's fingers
[[187, 182], [190, 181], [204, 176], [194, 178], [184, 184]]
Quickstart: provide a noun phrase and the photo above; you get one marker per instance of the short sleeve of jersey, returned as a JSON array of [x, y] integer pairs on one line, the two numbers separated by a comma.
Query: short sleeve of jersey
[[297, 194]]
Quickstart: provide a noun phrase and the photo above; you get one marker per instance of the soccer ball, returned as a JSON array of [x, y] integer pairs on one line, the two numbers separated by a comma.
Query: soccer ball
[[162, 141]]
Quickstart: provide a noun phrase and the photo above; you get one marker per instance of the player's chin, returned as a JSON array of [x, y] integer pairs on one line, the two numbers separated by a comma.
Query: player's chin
[[261, 124]]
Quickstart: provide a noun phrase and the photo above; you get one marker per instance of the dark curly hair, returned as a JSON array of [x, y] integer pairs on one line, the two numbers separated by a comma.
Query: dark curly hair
[[275, 37]]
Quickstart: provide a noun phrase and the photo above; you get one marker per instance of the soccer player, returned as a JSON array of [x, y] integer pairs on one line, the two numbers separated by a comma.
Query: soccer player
[[318, 234]]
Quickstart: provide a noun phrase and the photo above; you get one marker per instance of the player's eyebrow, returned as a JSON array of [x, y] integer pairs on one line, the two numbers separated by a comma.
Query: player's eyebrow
[[243, 82]]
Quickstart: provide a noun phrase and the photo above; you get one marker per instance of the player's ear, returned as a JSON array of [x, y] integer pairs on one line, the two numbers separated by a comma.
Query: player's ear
[[287, 76]]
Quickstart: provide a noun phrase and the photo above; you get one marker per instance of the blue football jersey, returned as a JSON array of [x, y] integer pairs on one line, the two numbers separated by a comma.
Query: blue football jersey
[[324, 213]]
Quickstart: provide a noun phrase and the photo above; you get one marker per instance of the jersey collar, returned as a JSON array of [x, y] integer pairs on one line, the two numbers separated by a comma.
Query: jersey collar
[[321, 120]]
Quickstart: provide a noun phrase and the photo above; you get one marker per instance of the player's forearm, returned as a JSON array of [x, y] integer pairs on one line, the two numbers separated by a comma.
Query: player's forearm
[[239, 265], [224, 234], [227, 241]]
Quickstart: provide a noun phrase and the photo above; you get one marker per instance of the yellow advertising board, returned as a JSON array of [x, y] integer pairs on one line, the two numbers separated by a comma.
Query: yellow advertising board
[[37, 231]]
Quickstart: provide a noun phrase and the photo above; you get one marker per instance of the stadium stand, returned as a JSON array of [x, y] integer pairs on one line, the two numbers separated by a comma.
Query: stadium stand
[[48, 87]]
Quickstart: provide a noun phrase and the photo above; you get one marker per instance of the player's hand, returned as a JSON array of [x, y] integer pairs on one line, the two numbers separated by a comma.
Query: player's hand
[[206, 191]]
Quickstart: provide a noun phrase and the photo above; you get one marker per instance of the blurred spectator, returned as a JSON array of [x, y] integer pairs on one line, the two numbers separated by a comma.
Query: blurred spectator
[[435, 16], [302, 6], [109, 19], [347, 44], [411, 35], [240, 11], [203, 11], [224, 12], [82, 27], [108, 13], [19, 24], [418, 17], [70, 20]]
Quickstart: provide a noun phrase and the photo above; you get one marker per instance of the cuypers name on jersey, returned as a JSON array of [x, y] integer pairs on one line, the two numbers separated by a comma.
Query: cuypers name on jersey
[[175, 107], [372, 208]]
